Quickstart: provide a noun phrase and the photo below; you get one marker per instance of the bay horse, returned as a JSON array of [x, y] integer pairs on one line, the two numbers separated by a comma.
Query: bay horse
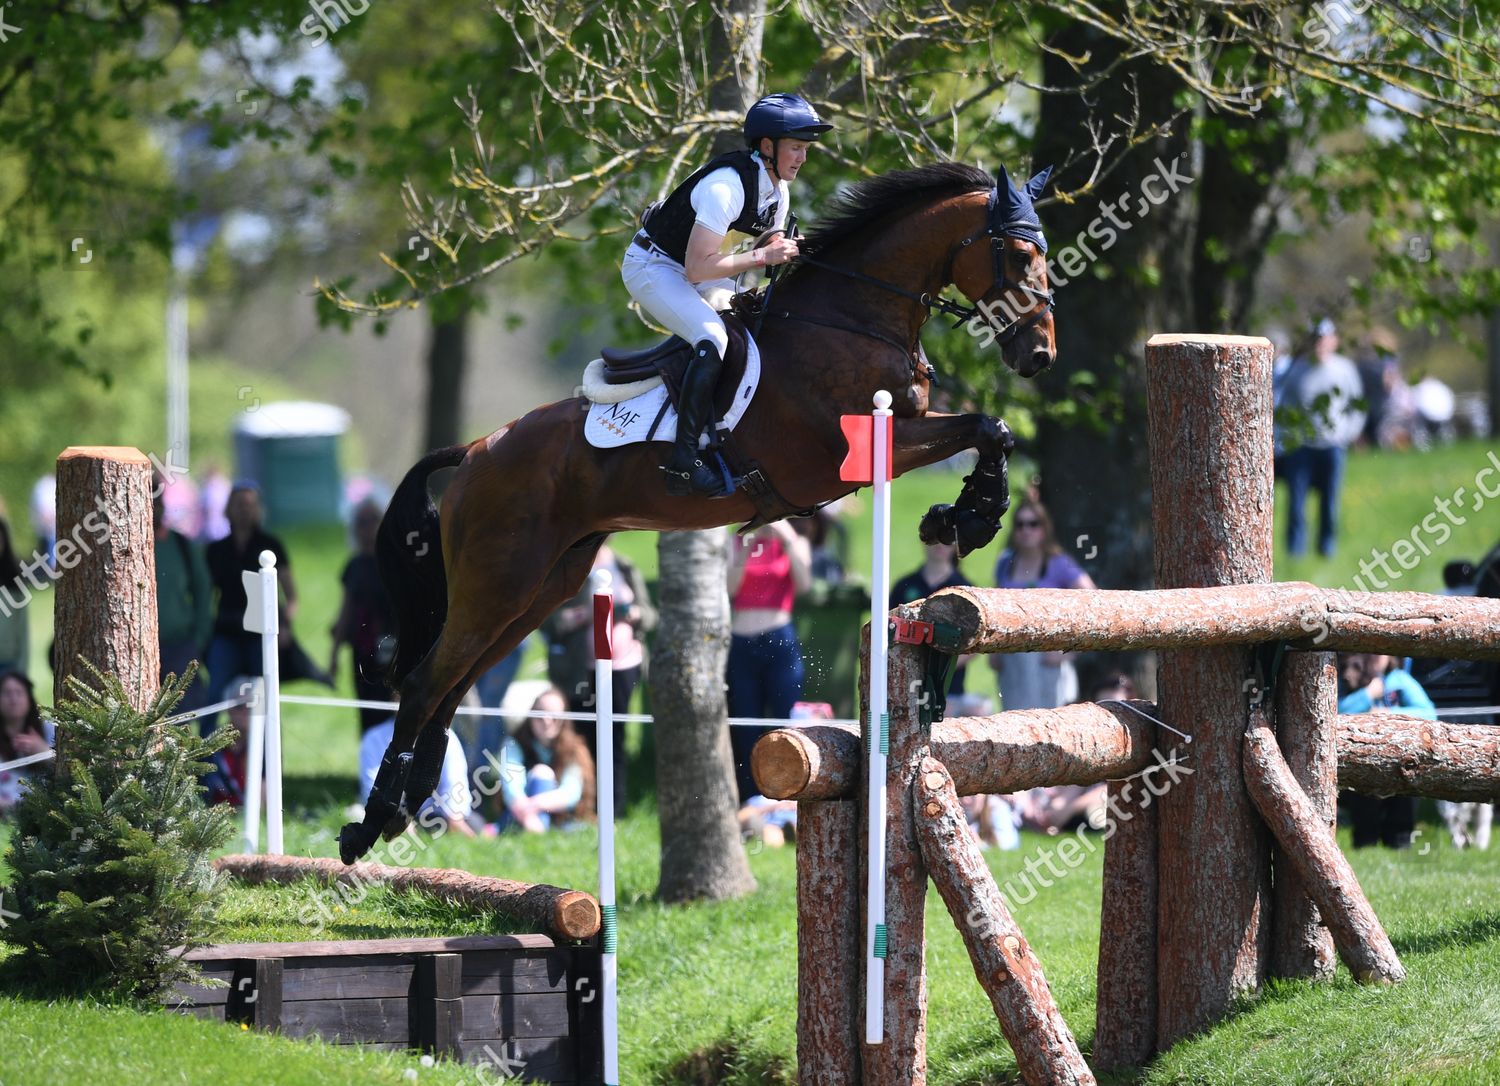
[[531, 503]]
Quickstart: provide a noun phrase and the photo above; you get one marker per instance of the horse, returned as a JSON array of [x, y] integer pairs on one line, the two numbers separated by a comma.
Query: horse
[[530, 504]]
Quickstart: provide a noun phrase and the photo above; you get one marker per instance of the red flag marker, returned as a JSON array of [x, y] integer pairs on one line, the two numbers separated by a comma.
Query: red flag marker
[[859, 465]]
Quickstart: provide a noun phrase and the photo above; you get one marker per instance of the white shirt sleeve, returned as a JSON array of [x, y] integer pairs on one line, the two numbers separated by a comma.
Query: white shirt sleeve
[[718, 200]]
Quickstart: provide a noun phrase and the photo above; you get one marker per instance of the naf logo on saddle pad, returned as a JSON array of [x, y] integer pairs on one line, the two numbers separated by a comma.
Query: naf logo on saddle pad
[[646, 415]]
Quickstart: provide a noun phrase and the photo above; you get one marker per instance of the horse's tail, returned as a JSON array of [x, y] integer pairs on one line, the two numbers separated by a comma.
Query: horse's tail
[[410, 553]]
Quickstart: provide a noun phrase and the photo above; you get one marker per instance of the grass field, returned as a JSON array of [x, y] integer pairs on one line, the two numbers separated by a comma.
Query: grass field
[[708, 990]]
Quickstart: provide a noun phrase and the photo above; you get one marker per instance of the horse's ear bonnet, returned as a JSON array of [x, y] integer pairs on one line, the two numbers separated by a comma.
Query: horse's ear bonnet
[[1016, 211]]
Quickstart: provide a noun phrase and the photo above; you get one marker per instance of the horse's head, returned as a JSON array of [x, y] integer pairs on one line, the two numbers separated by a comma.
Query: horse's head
[[1007, 279]]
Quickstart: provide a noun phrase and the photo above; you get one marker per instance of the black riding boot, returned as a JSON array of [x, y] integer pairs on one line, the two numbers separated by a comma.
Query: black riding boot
[[686, 471]]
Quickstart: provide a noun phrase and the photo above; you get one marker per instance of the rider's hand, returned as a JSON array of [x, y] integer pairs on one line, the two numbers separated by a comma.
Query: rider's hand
[[780, 250]]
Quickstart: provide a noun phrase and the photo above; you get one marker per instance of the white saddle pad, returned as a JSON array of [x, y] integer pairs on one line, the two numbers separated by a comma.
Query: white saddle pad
[[628, 421]]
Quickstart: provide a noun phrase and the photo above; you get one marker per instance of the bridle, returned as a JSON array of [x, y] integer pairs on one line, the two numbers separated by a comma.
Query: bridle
[[997, 231]]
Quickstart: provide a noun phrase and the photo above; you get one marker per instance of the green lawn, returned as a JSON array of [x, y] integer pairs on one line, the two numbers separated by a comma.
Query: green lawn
[[708, 990]]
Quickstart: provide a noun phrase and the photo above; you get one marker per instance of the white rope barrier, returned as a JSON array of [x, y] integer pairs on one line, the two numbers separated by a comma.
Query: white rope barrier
[[30, 759], [624, 718], [208, 710]]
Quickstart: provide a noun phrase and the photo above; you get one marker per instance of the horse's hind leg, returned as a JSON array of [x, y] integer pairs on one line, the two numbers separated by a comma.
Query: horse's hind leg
[[566, 577], [430, 695]]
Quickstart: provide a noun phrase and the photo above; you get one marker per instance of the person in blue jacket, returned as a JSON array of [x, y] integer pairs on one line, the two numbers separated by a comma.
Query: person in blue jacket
[[1369, 682]]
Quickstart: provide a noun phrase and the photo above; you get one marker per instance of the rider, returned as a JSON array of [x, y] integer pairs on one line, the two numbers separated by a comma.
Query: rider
[[676, 258]]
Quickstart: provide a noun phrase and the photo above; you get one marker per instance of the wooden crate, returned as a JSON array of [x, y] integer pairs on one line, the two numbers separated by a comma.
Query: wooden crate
[[524, 1004]]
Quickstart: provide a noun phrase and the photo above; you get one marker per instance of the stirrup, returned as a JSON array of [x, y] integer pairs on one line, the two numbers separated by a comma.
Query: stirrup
[[680, 484]]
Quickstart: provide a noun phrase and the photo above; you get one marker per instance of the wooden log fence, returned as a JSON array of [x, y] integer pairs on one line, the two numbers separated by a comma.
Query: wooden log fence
[[1189, 921], [567, 915], [1377, 754]]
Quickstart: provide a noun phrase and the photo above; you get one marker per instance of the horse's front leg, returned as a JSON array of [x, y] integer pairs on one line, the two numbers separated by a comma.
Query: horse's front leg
[[972, 520]]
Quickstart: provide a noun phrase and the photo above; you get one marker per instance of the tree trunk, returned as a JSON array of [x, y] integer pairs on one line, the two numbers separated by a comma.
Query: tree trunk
[[1306, 718], [106, 593], [701, 855], [695, 784], [447, 360], [1103, 310], [1210, 415], [1494, 373]]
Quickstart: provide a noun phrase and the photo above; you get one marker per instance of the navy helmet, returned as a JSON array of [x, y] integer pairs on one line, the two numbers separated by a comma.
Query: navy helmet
[[779, 116]]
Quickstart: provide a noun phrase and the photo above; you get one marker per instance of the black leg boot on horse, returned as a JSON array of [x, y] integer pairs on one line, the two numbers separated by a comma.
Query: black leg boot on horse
[[410, 774], [687, 474], [974, 518]]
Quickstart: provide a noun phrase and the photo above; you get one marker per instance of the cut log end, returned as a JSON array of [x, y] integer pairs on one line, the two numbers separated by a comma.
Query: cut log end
[[577, 915], [781, 765]]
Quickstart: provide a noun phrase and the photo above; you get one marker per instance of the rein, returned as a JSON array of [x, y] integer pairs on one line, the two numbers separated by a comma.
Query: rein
[[996, 232]]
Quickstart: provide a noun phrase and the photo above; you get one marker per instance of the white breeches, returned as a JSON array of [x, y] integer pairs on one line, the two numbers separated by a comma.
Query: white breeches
[[661, 285]]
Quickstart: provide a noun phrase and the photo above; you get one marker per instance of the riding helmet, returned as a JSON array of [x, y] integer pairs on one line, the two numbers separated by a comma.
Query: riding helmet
[[783, 116]]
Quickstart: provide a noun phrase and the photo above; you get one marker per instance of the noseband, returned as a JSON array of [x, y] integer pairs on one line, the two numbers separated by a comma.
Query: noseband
[[997, 231]]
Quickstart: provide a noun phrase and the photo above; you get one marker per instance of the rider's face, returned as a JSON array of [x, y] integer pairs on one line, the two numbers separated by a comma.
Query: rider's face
[[790, 155]]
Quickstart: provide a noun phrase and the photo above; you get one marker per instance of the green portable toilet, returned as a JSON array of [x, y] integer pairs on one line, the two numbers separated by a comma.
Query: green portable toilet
[[290, 450]]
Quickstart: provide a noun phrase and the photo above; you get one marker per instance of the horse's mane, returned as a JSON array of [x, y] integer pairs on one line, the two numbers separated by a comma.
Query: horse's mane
[[865, 203]]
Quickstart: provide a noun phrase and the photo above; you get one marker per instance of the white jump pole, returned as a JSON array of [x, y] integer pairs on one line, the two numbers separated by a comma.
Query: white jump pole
[[263, 600], [604, 696], [255, 761], [878, 726]]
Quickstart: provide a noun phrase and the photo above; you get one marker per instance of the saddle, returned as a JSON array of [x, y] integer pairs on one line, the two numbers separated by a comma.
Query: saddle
[[669, 359]]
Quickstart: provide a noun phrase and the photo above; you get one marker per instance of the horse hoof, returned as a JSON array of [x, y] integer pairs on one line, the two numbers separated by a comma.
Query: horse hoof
[[937, 525], [351, 843], [973, 532]]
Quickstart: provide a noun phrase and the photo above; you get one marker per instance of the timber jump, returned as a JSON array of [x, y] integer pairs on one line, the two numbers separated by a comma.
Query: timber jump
[[521, 1005], [1256, 886]]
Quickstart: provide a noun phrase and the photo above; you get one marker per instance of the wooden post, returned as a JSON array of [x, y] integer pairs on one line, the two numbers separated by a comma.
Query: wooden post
[[1310, 845], [1008, 971], [437, 1008], [1125, 1008], [106, 559], [902, 1059], [1306, 712], [1209, 406], [830, 943], [255, 993]]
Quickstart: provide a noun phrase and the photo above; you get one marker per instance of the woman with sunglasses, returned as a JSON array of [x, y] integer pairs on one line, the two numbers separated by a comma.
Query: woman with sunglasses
[[1033, 559]]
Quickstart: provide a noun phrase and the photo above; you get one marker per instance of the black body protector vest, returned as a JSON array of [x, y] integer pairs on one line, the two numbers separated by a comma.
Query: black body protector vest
[[669, 222]]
